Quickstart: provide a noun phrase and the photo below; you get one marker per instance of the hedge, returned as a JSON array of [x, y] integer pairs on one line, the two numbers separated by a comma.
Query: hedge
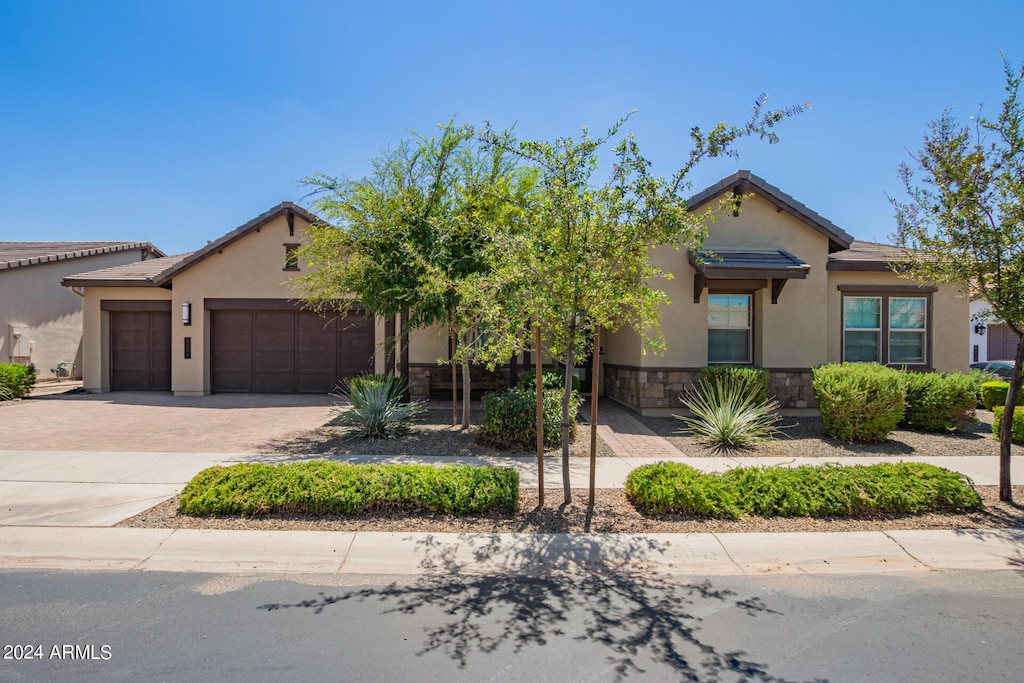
[[859, 401], [16, 380], [828, 490], [1017, 430], [552, 379], [510, 419], [994, 394], [939, 402], [321, 487]]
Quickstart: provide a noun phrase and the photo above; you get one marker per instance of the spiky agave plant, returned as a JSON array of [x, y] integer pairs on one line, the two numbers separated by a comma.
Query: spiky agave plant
[[729, 414], [376, 410]]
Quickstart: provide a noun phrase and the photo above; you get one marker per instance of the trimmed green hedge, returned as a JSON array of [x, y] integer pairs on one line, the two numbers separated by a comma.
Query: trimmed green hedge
[[827, 490], [754, 379], [552, 379], [16, 380], [321, 487], [939, 402], [1017, 430], [510, 419], [859, 401], [993, 394]]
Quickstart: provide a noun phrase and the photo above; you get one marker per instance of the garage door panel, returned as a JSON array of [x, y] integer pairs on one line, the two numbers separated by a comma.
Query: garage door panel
[[287, 351], [140, 351]]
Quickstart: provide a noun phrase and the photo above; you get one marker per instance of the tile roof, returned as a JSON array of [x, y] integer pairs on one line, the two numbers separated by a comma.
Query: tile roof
[[872, 256], [138, 274], [21, 254], [774, 259]]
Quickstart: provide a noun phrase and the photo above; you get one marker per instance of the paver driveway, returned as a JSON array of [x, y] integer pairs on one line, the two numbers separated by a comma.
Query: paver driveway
[[159, 422]]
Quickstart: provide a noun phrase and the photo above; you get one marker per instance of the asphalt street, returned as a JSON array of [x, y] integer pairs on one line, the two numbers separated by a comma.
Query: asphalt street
[[443, 626]]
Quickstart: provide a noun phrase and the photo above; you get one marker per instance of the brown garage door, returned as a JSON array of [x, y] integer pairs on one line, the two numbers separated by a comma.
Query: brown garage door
[[287, 351], [1002, 343], [140, 351]]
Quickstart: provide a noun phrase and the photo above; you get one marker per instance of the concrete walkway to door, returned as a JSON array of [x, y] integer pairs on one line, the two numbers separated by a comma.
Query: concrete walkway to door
[[159, 421]]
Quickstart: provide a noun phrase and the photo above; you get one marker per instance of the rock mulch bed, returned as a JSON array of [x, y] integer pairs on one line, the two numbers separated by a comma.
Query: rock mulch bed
[[803, 437], [612, 513], [433, 435]]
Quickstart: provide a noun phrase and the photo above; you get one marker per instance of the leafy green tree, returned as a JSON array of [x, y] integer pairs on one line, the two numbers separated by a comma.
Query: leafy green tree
[[964, 222], [584, 262]]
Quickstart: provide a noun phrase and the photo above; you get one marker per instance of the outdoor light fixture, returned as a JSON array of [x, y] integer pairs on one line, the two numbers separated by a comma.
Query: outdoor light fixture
[[979, 330], [186, 313]]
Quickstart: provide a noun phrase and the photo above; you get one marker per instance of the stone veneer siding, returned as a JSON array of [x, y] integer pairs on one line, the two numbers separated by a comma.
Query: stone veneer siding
[[642, 388], [420, 373]]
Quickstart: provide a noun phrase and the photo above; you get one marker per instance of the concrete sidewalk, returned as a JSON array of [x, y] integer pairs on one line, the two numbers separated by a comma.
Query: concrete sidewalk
[[418, 554]]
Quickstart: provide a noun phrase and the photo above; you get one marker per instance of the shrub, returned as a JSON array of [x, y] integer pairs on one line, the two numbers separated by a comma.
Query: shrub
[[978, 379], [552, 379], [827, 490], [859, 402], [376, 410], [1017, 430], [729, 412], [322, 487], [745, 376], [994, 394], [937, 402], [510, 419], [16, 380], [674, 488]]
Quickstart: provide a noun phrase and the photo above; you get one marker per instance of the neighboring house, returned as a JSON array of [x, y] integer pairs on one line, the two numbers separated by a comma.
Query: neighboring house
[[989, 339], [786, 290], [41, 322]]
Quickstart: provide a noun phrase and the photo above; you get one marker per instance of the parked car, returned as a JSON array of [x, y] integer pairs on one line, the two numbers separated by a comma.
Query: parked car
[[1000, 368]]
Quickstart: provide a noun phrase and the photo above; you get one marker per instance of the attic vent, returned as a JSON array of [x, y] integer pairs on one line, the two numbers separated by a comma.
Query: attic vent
[[291, 257]]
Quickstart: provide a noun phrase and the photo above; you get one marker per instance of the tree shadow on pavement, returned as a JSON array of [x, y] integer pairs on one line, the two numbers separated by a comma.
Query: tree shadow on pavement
[[499, 591]]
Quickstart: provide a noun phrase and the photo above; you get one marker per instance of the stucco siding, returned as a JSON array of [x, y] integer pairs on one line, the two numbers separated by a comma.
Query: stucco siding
[[33, 296]]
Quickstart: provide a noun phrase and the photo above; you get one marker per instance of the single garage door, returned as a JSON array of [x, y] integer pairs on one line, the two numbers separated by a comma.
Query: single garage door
[[1002, 343], [140, 351], [287, 351]]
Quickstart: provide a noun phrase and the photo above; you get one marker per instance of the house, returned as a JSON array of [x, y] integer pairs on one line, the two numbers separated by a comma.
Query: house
[[990, 340], [41, 322], [783, 288], [778, 286]]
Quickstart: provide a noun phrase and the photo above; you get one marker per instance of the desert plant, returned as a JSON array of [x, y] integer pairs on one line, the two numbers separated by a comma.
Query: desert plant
[[376, 410], [939, 402], [510, 419], [755, 378], [729, 412], [859, 401], [322, 487], [16, 380], [1016, 429]]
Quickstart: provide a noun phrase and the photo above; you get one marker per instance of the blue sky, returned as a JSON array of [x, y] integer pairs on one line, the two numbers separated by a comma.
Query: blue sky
[[175, 122]]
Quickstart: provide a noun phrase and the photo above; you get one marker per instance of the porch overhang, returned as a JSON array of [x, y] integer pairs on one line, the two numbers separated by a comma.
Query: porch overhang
[[747, 269]]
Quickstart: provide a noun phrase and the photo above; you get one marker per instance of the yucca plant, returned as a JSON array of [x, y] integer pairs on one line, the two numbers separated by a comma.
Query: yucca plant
[[376, 410], [729, 414]]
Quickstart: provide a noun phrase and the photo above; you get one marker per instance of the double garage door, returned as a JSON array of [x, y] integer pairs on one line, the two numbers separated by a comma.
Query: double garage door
[[280, 350], [287, 351], [1002, 343]]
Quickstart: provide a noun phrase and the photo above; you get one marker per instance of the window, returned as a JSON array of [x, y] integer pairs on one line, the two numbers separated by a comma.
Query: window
[[887, 329], [907, 320], [729, 328], [862, 329], [291, 257]]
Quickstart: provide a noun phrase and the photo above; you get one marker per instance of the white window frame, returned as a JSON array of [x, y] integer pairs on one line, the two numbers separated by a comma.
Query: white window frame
[[749, 329], [922, 331], [876, 330]]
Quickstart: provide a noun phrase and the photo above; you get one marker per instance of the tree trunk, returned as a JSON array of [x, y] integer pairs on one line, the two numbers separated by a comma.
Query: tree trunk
[[404, 360], [455, 385], [467, 386], [1006, 428], [566, 398], [539, 386], [596, 355]]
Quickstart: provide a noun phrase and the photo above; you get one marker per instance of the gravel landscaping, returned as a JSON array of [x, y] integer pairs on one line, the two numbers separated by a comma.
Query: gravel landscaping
[[432, 435], [612, 513], [803, 437]]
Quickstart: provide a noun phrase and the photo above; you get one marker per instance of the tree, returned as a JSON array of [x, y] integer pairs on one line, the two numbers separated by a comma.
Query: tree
[[584, 262], [964, 223]]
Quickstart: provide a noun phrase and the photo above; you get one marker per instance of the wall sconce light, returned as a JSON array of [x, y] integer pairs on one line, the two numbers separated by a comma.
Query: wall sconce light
[[979, 330], [186, 313]]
